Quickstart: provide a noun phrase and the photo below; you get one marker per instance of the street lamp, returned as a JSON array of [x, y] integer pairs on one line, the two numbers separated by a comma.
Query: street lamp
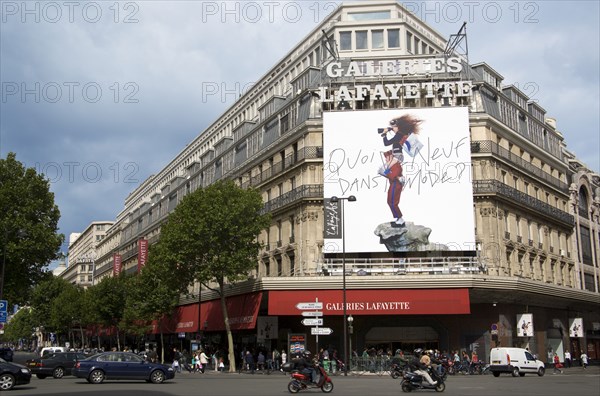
[[351, 198], [350, 331]]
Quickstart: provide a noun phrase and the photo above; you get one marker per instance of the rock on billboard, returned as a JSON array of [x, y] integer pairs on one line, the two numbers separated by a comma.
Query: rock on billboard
[[410, 171]]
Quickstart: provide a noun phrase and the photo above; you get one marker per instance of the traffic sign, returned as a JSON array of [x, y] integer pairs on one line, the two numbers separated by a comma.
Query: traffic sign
[[312, 313], [3, 317], [310, 305], [321, 331], [312, 322], [3, 305]]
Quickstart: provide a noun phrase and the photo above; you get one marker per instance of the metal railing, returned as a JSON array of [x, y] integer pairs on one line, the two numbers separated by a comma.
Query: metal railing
[[408, 266]]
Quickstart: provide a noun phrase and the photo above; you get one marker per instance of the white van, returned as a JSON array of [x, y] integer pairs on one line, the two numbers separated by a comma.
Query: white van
[[51, 350], [517, 361]]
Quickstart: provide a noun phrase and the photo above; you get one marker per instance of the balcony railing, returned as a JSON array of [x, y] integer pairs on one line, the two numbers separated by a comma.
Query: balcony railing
[[486, 187], [302, 192], [487, 146], [407, 266], [311, 152]]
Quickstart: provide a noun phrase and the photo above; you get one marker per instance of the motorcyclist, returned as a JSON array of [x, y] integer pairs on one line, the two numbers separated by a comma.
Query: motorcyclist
[[423, 366], [436, 364], [303, 363]]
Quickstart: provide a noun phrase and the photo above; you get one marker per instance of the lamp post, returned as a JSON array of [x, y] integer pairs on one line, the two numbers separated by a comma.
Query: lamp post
[[351, 198], [350, 331]]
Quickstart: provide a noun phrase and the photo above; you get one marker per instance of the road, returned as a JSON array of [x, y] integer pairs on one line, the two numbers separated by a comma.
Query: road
[[575, 381]]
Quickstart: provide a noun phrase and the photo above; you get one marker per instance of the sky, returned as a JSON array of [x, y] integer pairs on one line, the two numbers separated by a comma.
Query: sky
[[99, 95]]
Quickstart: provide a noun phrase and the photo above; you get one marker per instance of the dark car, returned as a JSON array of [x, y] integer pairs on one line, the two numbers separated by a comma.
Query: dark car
[[121, 365], [56, 365], [6, 354], [12, 374]]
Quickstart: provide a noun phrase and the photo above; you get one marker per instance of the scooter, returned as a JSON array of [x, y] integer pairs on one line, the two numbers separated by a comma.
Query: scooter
[[413, 381], [398, 369], [301, 381]]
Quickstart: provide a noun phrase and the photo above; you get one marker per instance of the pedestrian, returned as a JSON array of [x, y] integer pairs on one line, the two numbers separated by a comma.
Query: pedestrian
[[283, 358], [176, 360], [557, 365], [249, 359], [276, 357], [568, 358], [203, 361], [260, 361], [584, 359]]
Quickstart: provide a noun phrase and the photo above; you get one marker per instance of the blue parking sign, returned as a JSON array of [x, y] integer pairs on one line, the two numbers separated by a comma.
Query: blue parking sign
[[3, 305]]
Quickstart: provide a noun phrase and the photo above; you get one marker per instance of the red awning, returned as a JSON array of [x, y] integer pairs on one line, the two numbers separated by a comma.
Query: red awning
[[242, 311], [374, 302]]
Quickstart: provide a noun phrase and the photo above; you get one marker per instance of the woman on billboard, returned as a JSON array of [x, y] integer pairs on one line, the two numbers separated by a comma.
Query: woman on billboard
[[401, 135]]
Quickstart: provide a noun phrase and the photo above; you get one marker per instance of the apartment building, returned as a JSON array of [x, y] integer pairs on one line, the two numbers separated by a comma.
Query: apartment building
[[82, 253]]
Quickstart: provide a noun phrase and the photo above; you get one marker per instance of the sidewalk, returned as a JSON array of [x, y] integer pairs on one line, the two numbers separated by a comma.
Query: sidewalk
[[590, 370]]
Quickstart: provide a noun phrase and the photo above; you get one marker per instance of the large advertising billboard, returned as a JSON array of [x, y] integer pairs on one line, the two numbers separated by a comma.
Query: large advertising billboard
[[410, 172]]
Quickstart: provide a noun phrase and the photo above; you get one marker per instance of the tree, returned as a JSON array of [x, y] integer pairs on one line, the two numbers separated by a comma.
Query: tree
[[154, 294], [211, 238], [108, 302], [67, 310], [28, 229], [21, 326], [42, 298]]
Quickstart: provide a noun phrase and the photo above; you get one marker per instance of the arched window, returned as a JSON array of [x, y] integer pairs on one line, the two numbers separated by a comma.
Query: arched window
[[583, 203]]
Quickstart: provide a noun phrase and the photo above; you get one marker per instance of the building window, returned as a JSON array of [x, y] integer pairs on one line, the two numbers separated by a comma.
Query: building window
[[279, 266], [393, 38], [292, 229], [361, 40], [409, 38], [368, 16], [377, 39], [345, 41]]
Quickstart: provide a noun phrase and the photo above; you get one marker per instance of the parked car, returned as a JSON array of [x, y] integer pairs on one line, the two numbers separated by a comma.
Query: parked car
[[516, 361], [6, 354], [12, 374], [121, 365], [56, 365]]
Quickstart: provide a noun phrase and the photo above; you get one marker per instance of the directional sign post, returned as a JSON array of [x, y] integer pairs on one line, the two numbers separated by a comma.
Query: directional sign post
[[321, 331], [315, 318], [312, 314], [310, 305], [312, 322]]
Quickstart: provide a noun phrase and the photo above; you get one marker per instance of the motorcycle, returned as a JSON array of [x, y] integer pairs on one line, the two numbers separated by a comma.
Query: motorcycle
[[412, 381], [398, 369], [301, 381]]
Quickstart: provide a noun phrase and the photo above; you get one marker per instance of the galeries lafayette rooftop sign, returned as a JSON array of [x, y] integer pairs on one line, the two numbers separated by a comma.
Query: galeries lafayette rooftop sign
[[375, 302], [394, 67], [360, 71]]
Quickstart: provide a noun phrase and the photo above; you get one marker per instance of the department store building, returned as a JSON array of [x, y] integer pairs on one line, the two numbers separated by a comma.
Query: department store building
[[501, 235]]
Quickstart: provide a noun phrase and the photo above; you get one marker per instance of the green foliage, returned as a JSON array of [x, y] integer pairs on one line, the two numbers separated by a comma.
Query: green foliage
[[212, 234], [43, 298], [67, 309], [107, 300], [20, 326], [211, 237], [28, 228], [153, 294]]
